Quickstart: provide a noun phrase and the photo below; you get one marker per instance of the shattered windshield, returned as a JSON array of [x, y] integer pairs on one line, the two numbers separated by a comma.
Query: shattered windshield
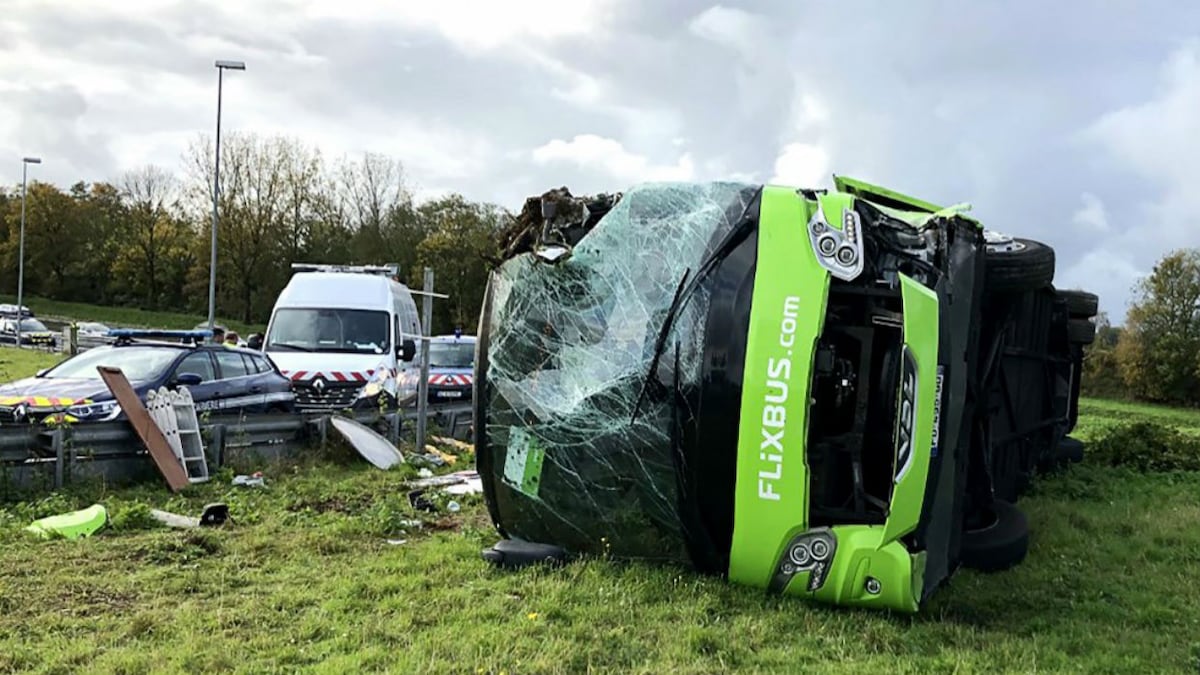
[[570, 348]]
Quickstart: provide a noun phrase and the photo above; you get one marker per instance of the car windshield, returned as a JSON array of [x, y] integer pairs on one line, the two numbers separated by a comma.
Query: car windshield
[[330, 330], [451, 355], [138, 363], [31, 325]]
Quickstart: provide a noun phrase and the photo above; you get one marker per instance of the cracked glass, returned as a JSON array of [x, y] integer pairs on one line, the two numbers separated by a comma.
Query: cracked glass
[[570, 347]]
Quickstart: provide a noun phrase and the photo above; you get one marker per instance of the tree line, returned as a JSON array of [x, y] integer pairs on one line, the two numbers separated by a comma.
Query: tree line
[[143, 240], [1155, 356]]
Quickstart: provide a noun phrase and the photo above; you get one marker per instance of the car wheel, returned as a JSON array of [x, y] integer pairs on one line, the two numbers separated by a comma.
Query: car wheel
[[1081, 331], [1014, 264], [1080, 304], [999, 545]]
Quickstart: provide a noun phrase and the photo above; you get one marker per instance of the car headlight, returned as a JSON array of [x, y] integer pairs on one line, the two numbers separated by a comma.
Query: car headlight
[[102, 411]]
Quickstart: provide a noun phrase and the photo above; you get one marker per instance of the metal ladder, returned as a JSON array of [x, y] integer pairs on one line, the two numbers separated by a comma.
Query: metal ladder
[[175, 414]]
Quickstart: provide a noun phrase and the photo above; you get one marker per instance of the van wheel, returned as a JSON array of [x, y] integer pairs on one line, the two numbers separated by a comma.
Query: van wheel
[[1080, 304], [999, 545], [1081, 331], [1013, 264]]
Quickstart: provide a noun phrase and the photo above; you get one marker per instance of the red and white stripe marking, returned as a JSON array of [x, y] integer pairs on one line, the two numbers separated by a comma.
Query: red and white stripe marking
[[331, 375], [451, 380]]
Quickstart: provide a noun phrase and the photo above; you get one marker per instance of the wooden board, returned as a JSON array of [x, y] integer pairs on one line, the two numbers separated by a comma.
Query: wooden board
[[160, 450]]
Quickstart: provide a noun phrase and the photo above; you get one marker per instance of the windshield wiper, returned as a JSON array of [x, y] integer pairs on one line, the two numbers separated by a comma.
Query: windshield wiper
[[661, 341], [686, 288], [285, 345]]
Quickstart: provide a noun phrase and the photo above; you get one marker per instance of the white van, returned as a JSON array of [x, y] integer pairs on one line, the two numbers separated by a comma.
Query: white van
[[343, 334]]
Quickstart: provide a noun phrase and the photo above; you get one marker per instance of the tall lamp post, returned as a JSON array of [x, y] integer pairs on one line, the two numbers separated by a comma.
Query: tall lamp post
[[222, 66], [25, 162]]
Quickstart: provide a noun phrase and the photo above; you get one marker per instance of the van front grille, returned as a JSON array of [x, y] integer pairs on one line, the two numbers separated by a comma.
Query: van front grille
[[331, 396]]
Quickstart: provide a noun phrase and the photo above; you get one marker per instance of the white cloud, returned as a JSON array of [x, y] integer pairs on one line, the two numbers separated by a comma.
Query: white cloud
[[733, 28], [478, 24], [1108, 273], [1160, 140], [610, 156], [1092, 218], [801, 165]]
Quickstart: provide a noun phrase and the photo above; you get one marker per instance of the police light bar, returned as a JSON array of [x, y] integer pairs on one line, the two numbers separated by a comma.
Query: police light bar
[[136, 333]]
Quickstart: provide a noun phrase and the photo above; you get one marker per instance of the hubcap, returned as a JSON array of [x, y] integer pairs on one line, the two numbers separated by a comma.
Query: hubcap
[[998, 242]]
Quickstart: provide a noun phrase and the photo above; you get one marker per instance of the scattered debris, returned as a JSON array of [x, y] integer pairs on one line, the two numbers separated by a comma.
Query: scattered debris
[[152, 436], [175, 414], [470, 486], [553, 223], [253, 480], [462, 446], [442, 481], [453, 507], [213, 515], [420, 502], [374, 448], [425, 473], [446, 457], [429, 459], [397, 542], [82, 523], [515, 554]]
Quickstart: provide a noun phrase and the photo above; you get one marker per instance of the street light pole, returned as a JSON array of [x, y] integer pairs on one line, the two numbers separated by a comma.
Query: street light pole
[[221, 66], [25, 162]]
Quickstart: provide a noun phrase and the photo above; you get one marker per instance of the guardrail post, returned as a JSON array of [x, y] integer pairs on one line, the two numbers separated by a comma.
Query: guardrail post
[[217, 445], [423, 383], [393, 420], [57, 444]]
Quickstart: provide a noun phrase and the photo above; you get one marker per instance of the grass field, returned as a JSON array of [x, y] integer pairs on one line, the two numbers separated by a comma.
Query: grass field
[[305, 580], [124, 317], [17, 363], [1097, 416]]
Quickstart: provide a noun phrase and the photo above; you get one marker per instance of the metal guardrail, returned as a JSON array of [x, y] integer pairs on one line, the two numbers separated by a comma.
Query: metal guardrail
[[113, 449]]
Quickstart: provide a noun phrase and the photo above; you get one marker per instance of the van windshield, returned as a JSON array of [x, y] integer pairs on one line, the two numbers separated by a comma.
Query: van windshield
[[451, 354], [330, 330]]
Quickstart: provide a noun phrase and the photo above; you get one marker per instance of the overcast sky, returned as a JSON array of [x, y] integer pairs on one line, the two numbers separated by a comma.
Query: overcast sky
[[1074, 122]]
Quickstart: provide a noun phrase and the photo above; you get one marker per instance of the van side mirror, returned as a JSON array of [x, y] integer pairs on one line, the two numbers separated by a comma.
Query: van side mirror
[[408, 350], [255, 342]]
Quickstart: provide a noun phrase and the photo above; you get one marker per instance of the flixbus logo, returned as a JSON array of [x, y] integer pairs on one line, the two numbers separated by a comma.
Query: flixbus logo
[[775, 396], [906, 413]]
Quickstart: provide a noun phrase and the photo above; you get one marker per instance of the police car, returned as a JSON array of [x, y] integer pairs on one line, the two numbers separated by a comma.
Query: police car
[[220, 378], [451, 369]]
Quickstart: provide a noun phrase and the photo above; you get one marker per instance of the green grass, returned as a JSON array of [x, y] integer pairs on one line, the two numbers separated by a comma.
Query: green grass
[[1097, 416], [305, 580], [17, 363], [124, 317]]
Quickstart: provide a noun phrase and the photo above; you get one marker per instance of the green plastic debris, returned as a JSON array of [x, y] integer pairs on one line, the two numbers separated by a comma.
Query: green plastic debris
[[72, 525]]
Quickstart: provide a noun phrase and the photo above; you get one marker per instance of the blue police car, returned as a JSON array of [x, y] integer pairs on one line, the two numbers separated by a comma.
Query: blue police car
[[221, 379]]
